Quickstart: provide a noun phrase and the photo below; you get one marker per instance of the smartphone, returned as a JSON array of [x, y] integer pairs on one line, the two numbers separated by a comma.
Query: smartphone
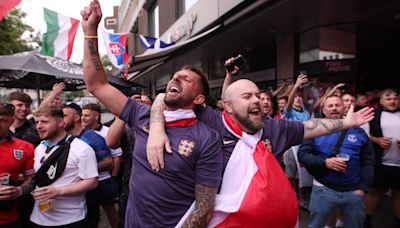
[[303, 72], [306, 83], [237, 61]]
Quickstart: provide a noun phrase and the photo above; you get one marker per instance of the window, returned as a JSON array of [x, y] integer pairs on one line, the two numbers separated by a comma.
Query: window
[[327, 43], [183, 6], [154, 22]]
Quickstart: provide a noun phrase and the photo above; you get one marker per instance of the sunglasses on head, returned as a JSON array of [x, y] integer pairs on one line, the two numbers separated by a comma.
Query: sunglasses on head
[[390, 93]]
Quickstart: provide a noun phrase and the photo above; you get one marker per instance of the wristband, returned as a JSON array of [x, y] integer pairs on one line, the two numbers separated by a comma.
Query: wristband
[[90, 37]]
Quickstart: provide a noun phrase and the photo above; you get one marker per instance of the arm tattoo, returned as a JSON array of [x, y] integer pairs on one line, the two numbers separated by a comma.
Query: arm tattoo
[[205, 199], [104, 165], [92, 51], [27, 187], [330, 125], [156, 114]]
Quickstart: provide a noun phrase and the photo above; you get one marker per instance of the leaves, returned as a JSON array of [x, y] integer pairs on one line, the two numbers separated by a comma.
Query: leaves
[[11, 29]]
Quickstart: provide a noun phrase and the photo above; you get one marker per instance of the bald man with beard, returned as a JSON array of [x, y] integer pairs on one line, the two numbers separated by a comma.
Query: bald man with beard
[[262, 194]]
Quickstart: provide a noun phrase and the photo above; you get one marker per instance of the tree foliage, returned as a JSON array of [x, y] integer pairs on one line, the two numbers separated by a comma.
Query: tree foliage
[[11, 29], [106, 63]]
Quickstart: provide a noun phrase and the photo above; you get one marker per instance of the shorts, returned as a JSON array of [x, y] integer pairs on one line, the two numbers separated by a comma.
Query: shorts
[[290, 165], [107, 192], [387, 176]]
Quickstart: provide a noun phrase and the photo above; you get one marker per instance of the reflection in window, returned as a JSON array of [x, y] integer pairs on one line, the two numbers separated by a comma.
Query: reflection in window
[[327, 43], [154, 22]]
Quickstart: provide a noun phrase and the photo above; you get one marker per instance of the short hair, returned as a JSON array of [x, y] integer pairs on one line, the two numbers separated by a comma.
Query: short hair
[[19, 96], [50, 110], [93, 107], [286, 98], [73, 106], [267, 92], [6, 109], [203, 79]]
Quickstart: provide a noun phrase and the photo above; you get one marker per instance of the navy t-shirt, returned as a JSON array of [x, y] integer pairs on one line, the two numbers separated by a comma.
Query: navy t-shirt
[[278, 134], [160, 199]]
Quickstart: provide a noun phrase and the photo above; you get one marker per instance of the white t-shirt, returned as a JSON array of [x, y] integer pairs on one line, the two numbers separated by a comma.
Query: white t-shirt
[[390, 124], [103, 132], [81, 164]]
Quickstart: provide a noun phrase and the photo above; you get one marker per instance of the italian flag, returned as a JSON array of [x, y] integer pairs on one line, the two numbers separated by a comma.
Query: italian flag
[[59, 38]]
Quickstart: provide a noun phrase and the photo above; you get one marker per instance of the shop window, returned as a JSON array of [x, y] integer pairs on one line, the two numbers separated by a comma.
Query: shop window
[[327, 43]]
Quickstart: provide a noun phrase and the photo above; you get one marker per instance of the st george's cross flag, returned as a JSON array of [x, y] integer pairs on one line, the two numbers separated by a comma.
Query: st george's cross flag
[[255, 192], [115, 44]]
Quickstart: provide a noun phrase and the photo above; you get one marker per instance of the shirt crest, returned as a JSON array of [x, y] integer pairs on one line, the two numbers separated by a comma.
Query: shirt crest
[[186, 147], [18, 154], [352, 138], [267, 144]]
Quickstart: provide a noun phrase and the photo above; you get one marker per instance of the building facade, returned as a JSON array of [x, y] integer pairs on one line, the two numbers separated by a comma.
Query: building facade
[[354, 41]]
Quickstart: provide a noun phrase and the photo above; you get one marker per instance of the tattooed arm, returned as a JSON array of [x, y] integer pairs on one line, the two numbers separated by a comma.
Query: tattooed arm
[[205, 200], [93, 72], [158, 139], [318, 127]]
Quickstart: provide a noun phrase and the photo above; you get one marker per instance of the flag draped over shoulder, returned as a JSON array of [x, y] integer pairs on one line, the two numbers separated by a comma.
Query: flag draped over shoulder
[[6, 6], [59, 39], [254, 191], [115, 44], [154, 43]]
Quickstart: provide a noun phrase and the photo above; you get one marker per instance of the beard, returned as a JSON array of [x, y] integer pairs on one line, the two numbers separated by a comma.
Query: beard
[[69, 126], [252, 126], [173, 103]]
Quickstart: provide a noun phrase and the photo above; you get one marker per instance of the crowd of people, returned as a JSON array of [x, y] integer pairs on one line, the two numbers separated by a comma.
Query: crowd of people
[[178, 162]]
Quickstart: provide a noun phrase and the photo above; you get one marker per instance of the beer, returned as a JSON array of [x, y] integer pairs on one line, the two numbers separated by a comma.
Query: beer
[[4, 179], [45, 205]]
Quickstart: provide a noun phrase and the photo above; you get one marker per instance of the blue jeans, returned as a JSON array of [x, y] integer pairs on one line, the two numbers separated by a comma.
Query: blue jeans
[[324, 200]]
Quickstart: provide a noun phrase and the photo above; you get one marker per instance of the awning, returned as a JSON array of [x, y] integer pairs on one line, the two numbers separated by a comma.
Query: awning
[[154, 58]]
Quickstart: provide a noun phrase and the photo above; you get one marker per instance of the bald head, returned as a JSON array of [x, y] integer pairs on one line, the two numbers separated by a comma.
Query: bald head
[[242, 103], [239, 87]]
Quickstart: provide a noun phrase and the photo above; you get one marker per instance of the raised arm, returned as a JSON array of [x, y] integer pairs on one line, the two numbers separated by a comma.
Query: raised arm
[[94, 74], [328, 93], [228, 76], [318, 127], [300, 80], [57, 89], [115, 133], [205, 200], [279, 89]]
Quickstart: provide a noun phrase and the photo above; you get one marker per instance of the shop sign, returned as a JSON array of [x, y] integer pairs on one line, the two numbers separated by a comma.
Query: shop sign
[[338, 66], [184, 28]]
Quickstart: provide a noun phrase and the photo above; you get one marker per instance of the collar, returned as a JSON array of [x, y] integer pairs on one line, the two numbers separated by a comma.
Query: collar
[[99, 128], [8, 138], [48, 145], [180, 118]]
